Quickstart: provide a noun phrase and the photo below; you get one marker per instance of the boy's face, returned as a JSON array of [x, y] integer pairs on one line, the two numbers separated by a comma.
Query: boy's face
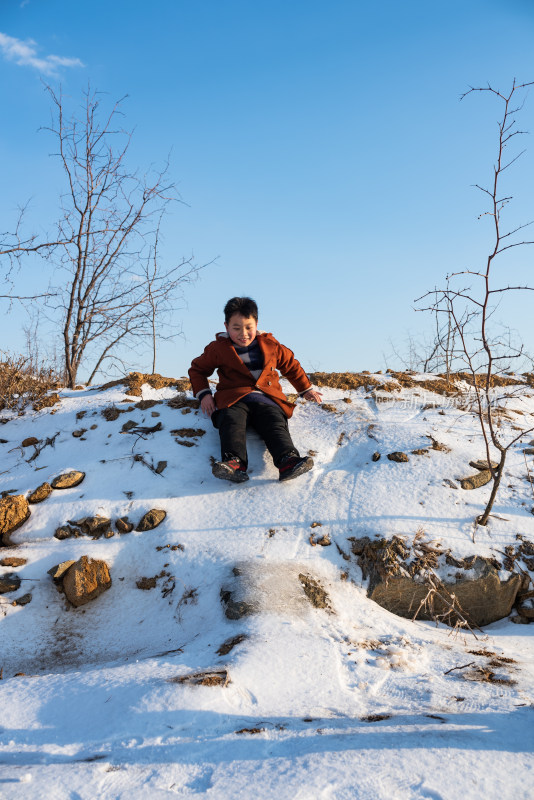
[[241, 330]]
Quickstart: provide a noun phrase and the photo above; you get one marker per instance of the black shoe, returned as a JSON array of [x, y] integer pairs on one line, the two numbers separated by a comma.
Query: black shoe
[[231, 470], [293, 466]]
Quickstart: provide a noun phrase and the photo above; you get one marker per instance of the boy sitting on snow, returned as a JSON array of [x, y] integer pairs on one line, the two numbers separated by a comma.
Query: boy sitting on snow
[[249, 392]]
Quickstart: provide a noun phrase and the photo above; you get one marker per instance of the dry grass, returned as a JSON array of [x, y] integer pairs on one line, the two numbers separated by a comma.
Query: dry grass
[[135, 380], [23, 383], [406, 380]]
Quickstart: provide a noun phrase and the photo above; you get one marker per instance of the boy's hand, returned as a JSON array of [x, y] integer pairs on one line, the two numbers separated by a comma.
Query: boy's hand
[[314, 396], [207, 404]]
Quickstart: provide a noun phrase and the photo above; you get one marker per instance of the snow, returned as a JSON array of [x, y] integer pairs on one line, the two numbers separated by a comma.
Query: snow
[[344, 702]]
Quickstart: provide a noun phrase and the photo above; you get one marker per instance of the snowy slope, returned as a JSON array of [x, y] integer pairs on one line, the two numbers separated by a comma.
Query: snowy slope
[[344, 702]]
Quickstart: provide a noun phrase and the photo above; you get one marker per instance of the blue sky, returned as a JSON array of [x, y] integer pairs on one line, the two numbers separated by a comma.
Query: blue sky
[[321, 150]]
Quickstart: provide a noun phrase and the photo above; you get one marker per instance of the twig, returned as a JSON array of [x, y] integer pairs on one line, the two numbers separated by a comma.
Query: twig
[[464, 666], [529, 475]]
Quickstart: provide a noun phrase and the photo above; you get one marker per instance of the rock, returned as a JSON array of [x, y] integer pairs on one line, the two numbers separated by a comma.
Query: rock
[[9, 583], [483, 599], [475, 481], [29, 441], [162, 465], [482, 464], [398, 456], [23, 600], [59, 570], [143, 405], [520, 620], [13, 562], [146, 583], [526, 611], [85, 580], [236, 609], [129, 424], [80, 432], [123, 525], [151, 519], [41, 493], [529, 451], [92, 526], [68, 479], [64, 532], [421, 451], [14, 511], [376, 456]]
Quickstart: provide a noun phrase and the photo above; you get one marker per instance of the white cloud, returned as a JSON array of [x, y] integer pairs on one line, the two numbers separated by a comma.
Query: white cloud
[[25, 54]]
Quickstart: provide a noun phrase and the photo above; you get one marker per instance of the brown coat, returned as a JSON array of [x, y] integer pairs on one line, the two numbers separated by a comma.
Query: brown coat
[[235, 378]]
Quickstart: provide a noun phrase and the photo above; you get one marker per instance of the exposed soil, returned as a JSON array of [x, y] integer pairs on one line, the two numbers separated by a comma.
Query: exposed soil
[[208, 678], [135, 380], [314, 592]]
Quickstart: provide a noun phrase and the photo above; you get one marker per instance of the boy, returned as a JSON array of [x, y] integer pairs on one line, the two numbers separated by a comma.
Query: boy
[[249, 392]]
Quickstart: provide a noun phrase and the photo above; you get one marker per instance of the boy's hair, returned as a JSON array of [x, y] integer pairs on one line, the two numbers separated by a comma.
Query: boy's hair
[[240, 305]]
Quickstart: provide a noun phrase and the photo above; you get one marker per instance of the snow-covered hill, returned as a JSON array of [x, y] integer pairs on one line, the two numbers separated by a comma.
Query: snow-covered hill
[[346, 701]]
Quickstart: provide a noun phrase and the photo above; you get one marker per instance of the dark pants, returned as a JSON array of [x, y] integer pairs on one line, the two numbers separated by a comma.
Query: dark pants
[[267, 420]]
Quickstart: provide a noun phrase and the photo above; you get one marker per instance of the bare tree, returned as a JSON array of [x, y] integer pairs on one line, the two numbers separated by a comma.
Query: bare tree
[[469, 308], [109, 224]]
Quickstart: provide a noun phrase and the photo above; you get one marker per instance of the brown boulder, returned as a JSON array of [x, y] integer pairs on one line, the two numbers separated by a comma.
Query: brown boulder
[[151, 519], [29, 441], [68, 479], [482, 600], [482, 464], [13, 562], [92, 526], [41, 493], [475, 481], [124, 525], [59, 570], [9, 583], [85, 580], [14, 511]]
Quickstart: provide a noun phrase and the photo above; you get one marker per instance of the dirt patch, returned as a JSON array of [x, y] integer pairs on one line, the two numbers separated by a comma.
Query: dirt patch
[[315, 592], [486, 675], [208, 678], [192, 433], [329, 407], [147, 583], [111, 413], [251, 731], [375, 717]]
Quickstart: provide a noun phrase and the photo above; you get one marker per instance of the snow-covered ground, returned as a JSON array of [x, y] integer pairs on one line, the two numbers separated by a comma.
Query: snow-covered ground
[[344, 702]]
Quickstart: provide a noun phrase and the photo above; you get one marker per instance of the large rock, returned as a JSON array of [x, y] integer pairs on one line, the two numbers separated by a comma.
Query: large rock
[[68, 479], [151, 519], [85, 580], [41, 493], [483, 599], [92, 526], [14, 511], [9, 583], [475, 481]]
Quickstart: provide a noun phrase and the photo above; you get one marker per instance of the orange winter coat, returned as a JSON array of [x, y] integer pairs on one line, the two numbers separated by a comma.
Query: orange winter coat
[[235, 378]]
